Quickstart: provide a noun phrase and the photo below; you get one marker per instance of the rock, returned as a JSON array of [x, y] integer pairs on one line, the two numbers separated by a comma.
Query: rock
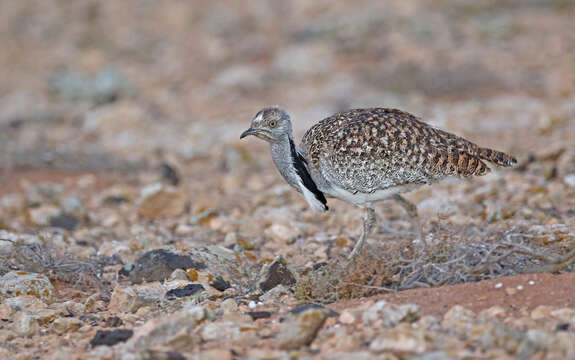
[[280, 233], [538, 339], [111, 337], [71, 205], [176, 331], [6, 311], [113, 321], [569, 180], [438, 355], [390, 315], [229, 305], [64, 221], [187, 290], [276, 273], [458, 318], [16, 283], [45, 316], [256, 315], [268, 354], [179, 274], [215, 354], [161, 355], [158, 265], [25, 303], [216, 261], [541, 312], [279, 295], [66, 324], [42, 215], [359, 355], [72, 307], [161, 202], [25, 324], [301, 327], [401, 338], [170, 174], [494, 312], [566, 316], [90, 319], [300, 309], [93, 304], [130, 298], [227, 330], [347, 317], [220, 284], [44, 193], [495, 335]]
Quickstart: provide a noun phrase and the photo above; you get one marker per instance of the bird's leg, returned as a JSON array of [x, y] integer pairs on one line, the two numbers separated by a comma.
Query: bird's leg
[[368, 222], [411, 210]]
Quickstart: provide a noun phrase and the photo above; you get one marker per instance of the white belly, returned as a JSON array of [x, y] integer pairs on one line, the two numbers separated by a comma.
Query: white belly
[[360, 198]]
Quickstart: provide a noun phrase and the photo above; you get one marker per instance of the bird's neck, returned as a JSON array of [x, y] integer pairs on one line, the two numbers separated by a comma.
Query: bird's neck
[[283, 159], [293, 167]]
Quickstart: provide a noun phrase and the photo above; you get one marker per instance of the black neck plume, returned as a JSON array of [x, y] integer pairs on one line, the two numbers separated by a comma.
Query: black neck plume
[[299, 164]]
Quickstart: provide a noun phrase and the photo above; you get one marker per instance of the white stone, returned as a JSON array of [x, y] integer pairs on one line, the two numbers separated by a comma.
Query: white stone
[[400, 339], [569, 180], [25, 324], [16, 283]]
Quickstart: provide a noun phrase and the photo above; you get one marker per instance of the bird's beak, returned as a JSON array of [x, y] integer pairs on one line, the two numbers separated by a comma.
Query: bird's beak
[[248, 132]]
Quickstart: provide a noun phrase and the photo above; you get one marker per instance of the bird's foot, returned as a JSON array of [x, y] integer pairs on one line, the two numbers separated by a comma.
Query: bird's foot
[[368, 222], [356, 250]]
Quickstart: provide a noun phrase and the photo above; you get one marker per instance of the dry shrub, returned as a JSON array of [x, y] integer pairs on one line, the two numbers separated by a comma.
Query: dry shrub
[[338, 279], [43, 259], [452, 259]]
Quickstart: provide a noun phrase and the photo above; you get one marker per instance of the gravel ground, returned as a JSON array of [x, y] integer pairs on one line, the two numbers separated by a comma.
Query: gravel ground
[[134, 224]]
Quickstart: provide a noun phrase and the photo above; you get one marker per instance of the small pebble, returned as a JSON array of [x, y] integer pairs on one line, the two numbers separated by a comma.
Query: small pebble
[[510, 291], [259, 314]]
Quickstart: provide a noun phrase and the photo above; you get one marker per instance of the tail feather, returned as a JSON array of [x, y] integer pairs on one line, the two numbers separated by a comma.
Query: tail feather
[[496, 157]]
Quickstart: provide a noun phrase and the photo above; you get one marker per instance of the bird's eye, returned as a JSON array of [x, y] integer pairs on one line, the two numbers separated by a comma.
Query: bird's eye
[[273, 124]]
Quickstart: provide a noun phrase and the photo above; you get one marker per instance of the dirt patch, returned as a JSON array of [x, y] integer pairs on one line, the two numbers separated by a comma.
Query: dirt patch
[[516, 294]]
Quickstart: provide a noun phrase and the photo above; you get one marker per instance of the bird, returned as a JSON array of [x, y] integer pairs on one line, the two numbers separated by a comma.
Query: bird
[[366, 155]]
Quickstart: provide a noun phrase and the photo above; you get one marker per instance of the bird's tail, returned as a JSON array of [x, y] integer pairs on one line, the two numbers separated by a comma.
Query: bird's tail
[[496, 157]]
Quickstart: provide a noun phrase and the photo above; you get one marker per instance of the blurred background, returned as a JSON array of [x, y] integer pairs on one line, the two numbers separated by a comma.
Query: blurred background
[[122, 87], [130, 78]]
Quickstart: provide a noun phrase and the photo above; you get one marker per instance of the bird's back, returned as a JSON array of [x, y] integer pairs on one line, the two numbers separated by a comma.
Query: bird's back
[[364, 150]]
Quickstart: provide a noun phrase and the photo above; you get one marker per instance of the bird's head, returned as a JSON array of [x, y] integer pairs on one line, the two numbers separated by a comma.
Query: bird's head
[[271, 124]]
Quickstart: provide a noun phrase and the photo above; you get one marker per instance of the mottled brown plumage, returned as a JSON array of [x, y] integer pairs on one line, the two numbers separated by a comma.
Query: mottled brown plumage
[[364, 150], [365, 155]]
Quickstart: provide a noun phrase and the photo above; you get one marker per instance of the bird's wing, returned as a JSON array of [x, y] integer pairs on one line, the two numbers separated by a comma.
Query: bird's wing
[[371, 149]]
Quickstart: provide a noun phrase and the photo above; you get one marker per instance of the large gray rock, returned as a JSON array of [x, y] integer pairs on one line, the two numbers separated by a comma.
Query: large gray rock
[[390, 315], [402, 338], [25, 324], [158, 265], [300, 327], [130, 298], [17, 283], [176, 332]]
